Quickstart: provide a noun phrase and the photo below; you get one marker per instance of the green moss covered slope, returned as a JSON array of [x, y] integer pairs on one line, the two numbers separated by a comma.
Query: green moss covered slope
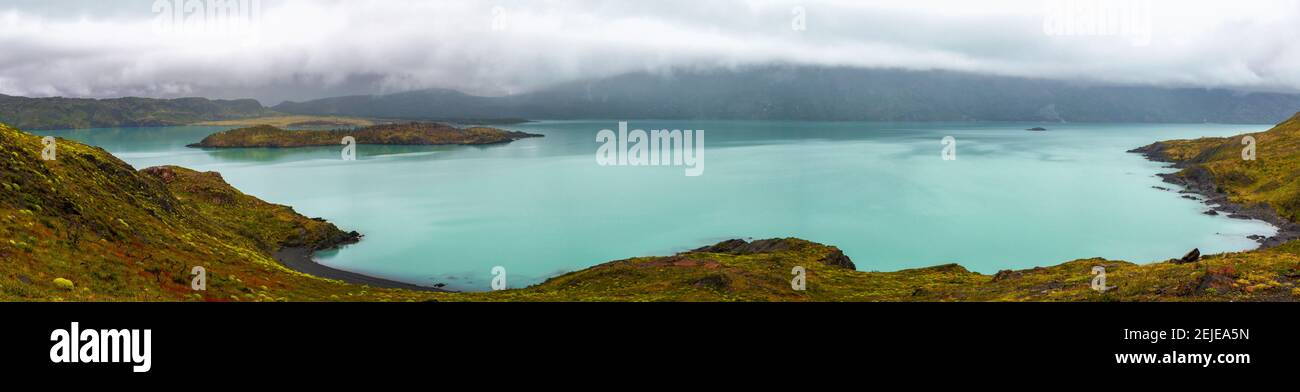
[[116, 233], [1270, 180]]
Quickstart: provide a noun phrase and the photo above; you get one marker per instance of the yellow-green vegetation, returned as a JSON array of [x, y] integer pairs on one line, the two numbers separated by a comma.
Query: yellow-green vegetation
[[88, 227], [120, 234], [294, 121], [711, 275], [415, 133], [1271, 179]]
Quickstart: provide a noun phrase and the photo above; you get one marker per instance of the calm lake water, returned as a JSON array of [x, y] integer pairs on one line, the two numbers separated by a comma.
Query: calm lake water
[[879, 191]]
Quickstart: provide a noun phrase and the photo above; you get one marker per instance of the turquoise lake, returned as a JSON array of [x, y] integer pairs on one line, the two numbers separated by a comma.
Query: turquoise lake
[[880, 191]]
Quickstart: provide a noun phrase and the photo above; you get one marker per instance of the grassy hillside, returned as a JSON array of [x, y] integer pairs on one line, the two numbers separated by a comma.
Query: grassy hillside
[[71, 113], [710, 274], [414, 133], [1271, 180], [115, 233]]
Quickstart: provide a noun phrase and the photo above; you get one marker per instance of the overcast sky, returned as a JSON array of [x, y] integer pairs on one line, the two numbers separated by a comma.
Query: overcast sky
[[301, 49]]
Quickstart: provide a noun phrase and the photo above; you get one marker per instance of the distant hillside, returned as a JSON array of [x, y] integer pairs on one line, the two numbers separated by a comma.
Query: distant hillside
[[69, 113], [833, 94]]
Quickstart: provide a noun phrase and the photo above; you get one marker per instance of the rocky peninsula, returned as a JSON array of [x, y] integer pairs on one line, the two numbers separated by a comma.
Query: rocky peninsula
[[414, 133]]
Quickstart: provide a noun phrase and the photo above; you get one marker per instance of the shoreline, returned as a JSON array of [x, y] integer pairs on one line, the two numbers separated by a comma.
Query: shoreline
[[1197, 181], [1200, 181], [302, 259]]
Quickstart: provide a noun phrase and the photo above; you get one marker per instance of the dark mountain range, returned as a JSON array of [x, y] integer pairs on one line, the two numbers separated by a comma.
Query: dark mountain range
[[768, 93], [819, 93]]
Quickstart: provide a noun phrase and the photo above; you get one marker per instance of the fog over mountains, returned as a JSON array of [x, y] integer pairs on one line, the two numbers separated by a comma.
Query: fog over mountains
[[810, 93], [307, 49], [1034, 60], [825, 93]]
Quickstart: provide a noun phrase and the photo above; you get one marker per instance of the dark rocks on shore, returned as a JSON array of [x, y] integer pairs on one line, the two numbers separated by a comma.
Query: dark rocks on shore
[[1154, 151], [1190, 257], [1196, 180], [1211, 212]]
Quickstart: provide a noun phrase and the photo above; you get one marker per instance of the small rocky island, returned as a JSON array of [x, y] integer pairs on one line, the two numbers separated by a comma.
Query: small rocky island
[[414, 133], [1037, 129]]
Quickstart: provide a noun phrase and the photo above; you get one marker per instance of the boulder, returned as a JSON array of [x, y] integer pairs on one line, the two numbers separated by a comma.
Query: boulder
[[1190, 257]]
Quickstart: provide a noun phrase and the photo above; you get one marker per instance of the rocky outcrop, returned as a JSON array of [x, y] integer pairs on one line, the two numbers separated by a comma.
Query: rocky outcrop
[[835, 257], [1190, 257], [839, 259]]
